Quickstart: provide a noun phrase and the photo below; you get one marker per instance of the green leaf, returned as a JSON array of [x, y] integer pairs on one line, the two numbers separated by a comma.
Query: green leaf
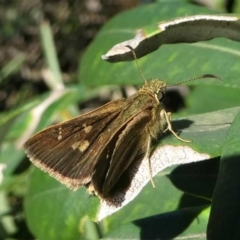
[[186, 29], [169, 62], [225, 212], [207, 137], [218, 97], [52, 210], [55, 80], [184, 223], [173, 63], [48, 202], [206, 131], [205, 144]]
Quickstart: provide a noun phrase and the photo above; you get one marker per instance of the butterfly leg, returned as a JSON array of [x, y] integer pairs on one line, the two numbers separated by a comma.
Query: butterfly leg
[[167, 117], [148, 154]]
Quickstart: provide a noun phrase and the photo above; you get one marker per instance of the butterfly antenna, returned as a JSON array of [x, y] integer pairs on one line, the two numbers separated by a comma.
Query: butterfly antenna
[[196, 78], [136, 61]]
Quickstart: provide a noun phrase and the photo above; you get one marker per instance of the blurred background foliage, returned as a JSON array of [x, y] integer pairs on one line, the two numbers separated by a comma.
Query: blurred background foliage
[[36, 71]]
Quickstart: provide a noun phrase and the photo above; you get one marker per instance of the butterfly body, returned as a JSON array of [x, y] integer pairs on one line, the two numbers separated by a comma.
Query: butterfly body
[[100, 148]]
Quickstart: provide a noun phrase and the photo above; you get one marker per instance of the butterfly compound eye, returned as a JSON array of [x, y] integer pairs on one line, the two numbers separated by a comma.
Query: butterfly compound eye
[[160, 96]]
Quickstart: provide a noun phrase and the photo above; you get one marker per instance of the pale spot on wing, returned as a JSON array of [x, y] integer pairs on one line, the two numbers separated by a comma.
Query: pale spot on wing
[[83, 146], [87, 129], [59, 133], [75, 145]]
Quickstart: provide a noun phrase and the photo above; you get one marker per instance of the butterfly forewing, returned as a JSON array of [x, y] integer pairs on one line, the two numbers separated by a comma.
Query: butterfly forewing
[[62, 150]]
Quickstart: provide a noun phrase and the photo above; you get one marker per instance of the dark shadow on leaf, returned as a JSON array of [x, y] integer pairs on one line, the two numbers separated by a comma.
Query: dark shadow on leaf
[[179, 125], [188, 201], [198, 178], [168, 225]]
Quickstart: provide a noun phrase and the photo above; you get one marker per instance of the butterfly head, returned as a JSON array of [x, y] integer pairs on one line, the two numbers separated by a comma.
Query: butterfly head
[[154, 86]]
